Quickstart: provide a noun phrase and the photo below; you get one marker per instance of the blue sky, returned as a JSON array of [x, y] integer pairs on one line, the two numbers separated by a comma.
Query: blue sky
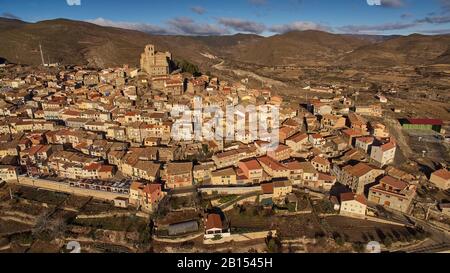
[[264, 17]]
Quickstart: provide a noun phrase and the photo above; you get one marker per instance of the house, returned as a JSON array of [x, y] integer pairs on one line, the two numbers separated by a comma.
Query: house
[[152, 141], [297, 142], [441, 179], [393, 193], [357, 122], [373, 110], [98, 171], [285, 132], [325, 181], [384, 154], [252, 170], [321, 164], [364, 143], [9, 174], [145, 196], [224, 177], [379, 130], [274, 168], [179, 175], [350, 135], [295, 172], [146, 170], [357, 177], [310, 175], [202, 173], [214, 226], [281, 189], [121, 202], [282, 152], [232, 157], [319, 108], [317, 140], [332, 122], [353, 205], [277, 189]]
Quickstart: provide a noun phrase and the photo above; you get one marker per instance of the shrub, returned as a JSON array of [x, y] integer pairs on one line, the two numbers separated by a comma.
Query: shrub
[[291, 207], [340, 241], [358, 247], [387, 241]]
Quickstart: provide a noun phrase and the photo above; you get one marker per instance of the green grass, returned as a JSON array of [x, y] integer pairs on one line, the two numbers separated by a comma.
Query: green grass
[[226, 199]]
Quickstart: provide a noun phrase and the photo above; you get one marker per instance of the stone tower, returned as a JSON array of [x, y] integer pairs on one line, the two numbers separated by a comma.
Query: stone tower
[[155, 63]]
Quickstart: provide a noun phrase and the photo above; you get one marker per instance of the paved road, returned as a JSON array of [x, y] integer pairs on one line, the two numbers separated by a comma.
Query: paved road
[[439, 239]]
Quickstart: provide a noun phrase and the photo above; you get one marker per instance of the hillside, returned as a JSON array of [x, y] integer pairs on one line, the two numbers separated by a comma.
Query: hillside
[[297, 48], [404, 50], [75, 42]]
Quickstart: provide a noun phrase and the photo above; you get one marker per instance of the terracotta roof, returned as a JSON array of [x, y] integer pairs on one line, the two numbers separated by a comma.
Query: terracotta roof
[[267, 188], [298, 137], [442, 173], [151, 188], [213, 221], [326, 177], [252, 164], [388, 146], [359, 169], [282, 184], [317, 136], [395, 183], [321, 160], [224, 172], [350, 196], [93, 166], [179, 168], [136, 186], [425, 121], [294, 166], [271, 163], [365, 139], [353, 132], [106, 168]]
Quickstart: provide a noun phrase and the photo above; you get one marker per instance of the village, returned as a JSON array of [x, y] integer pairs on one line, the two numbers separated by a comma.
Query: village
[[331, 173]]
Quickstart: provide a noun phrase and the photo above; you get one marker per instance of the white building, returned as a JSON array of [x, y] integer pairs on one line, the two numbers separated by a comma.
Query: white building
[[384, 154], [353, 205]]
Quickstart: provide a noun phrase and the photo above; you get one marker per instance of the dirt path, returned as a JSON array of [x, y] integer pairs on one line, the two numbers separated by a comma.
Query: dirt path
[[244, 73]]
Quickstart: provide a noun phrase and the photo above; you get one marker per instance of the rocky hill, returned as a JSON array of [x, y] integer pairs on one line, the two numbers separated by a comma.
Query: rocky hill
[[75, 42]]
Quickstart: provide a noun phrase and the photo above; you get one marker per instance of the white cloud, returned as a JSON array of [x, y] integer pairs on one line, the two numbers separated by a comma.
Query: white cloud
[[299, 26], [148, 28], [73, 2]]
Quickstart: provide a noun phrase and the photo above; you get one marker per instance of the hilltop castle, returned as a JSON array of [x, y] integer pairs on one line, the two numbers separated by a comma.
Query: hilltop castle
[[155, 63]]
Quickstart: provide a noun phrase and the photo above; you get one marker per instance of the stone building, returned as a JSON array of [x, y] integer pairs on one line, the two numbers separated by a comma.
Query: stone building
[[155, 63]]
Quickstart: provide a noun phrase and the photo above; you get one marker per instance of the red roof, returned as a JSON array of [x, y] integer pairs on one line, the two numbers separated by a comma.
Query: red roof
[[442, 173], [426, 121], [395, 183], [350, 196], [267, 188], [213, 221]]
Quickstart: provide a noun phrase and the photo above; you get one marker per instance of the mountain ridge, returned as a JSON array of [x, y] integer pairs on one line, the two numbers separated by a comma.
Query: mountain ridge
[[78, 42]]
